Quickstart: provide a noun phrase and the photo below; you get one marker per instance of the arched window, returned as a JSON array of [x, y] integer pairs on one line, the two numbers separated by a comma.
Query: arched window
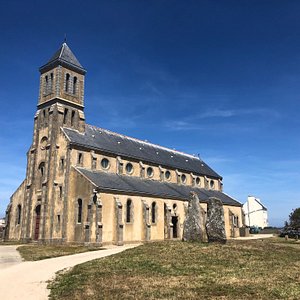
[[67, 82], [79, 211], [74, 85], [44, 142], [42, 173], [153, 212], [129, 211], [19, 210]]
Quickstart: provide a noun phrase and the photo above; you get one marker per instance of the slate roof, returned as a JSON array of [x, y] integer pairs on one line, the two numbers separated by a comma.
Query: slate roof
[[111, 182], [124, 146], [64, 56]]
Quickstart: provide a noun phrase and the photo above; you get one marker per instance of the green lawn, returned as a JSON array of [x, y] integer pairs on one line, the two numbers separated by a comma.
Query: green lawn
[[37, 252], [260, 269]]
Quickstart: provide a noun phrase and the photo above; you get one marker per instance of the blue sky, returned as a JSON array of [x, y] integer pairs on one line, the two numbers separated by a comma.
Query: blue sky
[[214, 78]]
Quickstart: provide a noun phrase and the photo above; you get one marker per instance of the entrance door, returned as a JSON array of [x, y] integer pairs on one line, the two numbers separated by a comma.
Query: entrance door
[[175, 226], [37, 222]]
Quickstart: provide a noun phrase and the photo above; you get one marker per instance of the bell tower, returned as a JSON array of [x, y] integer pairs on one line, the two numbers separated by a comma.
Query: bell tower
[[60, 104], [62, 83]]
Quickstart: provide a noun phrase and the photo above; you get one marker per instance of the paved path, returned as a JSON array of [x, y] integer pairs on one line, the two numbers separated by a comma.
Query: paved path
[[9, 256], [28, 280], [255, 237]]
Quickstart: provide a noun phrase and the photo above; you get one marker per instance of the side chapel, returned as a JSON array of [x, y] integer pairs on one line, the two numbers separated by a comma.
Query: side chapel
[[89, 185]]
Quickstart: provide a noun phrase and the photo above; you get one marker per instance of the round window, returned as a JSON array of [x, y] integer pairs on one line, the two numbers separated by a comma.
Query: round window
[[168, 175], [183, 178], [105, 163], [150, 172], [212, 184], [198, 181], [129, 168]]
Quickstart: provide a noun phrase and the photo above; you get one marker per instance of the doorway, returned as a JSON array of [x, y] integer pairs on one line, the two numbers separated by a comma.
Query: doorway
[[175, 227], [37, 222]]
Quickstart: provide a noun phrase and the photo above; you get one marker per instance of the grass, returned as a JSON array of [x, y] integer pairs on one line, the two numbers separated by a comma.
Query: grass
[[10, 243], [257, 269], [34, 252]]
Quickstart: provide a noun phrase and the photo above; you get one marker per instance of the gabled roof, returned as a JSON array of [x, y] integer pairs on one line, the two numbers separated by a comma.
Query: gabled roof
[[262, 206], [127, 147], [64, 56], [110, 182]]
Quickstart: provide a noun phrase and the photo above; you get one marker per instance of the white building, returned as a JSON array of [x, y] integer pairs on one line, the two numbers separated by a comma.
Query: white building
[[2, 226], [256, 214]]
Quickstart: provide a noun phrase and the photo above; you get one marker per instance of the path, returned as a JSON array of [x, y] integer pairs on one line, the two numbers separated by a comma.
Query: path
[[28, 280], [255, 237], [9, 256]]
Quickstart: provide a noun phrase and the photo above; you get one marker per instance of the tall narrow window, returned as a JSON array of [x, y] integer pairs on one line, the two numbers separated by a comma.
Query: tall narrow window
[[67, 82], [153, 212], [128, 211], [79, 211], [19, 209], [60, 193], [65, 115], [80, 158], [72, 117], [42, 173], [51, 83], [46, 85], [94, 162], [74, 85], [62, 164]]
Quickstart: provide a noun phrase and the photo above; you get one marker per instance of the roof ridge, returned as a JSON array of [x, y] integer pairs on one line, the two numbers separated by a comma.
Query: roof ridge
[[61, 50], [144, 142]]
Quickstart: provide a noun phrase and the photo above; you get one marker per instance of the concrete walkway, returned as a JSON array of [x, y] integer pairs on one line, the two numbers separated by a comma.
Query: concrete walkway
[[28, 280], [9, 256], [254, 237]]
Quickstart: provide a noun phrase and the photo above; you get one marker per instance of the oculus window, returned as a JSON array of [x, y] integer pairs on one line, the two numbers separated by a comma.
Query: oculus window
[[150, 172], [129, 168], [168, 175], [105, 163]]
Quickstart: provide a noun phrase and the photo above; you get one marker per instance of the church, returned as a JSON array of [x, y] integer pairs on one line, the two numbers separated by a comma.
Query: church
[[89, 185]]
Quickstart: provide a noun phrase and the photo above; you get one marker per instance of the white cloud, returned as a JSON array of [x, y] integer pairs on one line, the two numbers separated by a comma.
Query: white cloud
[[227, 113]]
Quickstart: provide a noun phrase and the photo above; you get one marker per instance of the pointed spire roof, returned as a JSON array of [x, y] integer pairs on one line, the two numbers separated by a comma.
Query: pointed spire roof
[[65, 57]]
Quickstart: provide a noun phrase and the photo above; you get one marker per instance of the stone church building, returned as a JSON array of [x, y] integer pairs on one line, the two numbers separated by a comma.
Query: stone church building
[[86, 184]]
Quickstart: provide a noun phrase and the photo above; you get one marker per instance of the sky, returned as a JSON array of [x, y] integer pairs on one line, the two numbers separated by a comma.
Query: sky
[[219, 79]]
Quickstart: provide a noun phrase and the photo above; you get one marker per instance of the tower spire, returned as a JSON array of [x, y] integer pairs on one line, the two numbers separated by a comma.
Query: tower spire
[[64, 57]]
